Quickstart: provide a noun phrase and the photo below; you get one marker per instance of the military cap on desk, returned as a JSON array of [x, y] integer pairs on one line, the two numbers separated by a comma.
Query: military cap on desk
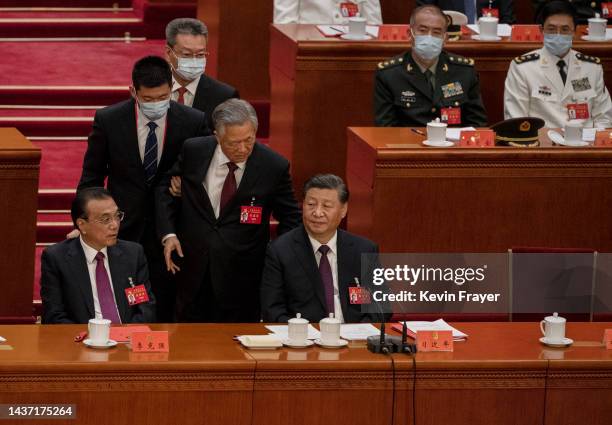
[[519, 132], [455, 21]]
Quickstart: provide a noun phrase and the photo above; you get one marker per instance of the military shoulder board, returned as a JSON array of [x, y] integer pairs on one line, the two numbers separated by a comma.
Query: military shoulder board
[[527, 58], [586, 58]]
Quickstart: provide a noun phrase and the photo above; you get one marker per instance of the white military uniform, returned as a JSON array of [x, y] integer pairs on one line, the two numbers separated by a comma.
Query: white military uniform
[[534, 88], [323, 11]]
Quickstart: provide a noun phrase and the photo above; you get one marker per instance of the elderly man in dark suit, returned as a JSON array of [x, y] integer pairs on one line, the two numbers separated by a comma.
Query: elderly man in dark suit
[[230, 186], [95, 275], [474, 9], [315, 269], [133, 143], [186, 52]]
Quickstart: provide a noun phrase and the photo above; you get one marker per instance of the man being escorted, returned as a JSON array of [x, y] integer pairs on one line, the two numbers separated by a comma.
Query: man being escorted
[[95, 275], [220, 225], [556, 83], [315, 269], [427, 83]]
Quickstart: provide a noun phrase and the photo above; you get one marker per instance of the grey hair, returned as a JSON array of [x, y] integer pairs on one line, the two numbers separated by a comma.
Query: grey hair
[[233, 112], [328, 181], [432, 8], [187, 26]]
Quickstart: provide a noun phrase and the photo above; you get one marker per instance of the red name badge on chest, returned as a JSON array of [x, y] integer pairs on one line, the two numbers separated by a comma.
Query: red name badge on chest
[[434, 340], [348, 10], [359, 295], [490, 11], [578, 111], [150, 342], [136, 295], [606, 10], [608, 339], [450, 115], [250, 214]]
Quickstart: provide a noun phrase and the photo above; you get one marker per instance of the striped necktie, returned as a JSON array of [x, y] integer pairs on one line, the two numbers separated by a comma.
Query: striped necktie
[[150, 156]]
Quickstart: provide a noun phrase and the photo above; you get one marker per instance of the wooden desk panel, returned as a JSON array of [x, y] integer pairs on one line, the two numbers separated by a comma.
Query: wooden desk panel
[[476, 200], [320, 86]]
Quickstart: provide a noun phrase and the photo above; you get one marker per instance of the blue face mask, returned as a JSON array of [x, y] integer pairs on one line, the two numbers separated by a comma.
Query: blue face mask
[[558, 44], [427, 47], [190, 68], [154, 110]]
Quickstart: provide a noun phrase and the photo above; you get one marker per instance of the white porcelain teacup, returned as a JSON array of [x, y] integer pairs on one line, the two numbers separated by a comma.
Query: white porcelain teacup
[[99, 331], [553, 328]]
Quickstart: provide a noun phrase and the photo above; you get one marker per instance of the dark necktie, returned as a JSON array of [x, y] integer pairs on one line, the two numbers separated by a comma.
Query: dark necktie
[[561, 65], [181, 96], [327, 278], [229, 186], [430, 82], [150, 156], [469, 7], [105, 293]]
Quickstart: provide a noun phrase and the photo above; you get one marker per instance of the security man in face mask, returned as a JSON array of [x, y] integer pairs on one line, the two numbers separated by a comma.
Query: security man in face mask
[[132, 145], [556, 83], [427, 83], [186, 52]]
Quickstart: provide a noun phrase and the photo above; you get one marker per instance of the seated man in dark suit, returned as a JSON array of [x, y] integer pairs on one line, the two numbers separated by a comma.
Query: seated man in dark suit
[[310, 269], [95, 275], [132, 144], [186, 52]]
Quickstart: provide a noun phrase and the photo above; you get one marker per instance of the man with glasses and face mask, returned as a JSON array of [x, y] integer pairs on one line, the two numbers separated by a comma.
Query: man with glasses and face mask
[[426, 82], [186, 52], [132, 144], [556, 83], [96, 275]]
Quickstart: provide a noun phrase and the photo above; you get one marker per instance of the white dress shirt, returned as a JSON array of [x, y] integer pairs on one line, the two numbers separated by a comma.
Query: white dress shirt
[[332, 257], [323, 11], [143, 131], [90, 257], [189, 95], [215, 177]]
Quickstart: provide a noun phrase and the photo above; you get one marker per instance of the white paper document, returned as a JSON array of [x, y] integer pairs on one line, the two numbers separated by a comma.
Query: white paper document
[[455, 133], [282, 331], [2, 339], [588, 134], [438, 325], [358, 331], [503, 30], [333, 30]]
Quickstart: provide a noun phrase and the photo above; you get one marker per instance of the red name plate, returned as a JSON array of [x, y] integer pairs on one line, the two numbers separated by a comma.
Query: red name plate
[[603, 138], [477, 139], [526, 33], [608, 339], [434, 341], [150, 342], [393, 32]]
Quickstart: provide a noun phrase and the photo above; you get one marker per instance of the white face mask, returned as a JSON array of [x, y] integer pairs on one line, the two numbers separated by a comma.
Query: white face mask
[[427, 47], [154, 110], [190, 68]]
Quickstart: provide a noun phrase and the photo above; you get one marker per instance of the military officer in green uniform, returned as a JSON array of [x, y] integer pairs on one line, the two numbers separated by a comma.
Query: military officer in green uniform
[[426, 83]]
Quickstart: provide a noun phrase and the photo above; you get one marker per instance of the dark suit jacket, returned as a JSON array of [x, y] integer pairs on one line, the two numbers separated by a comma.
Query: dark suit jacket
[[585, 9], [291, 282], [506, 7], [209, 94], [112, 152], [223, 250], [65, 287]]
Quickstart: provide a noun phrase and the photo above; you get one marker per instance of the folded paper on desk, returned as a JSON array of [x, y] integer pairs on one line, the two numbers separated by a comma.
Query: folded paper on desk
[[124, 333], [503, 30], [282, 331], [334, 30], [2, 339], [358, 331], [437, 325], [455, 133]]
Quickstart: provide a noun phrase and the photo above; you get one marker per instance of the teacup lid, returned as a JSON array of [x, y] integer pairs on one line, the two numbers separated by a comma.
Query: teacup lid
[[331, 319], [597, 18], [437, 123], [555, 318], [298, 319]]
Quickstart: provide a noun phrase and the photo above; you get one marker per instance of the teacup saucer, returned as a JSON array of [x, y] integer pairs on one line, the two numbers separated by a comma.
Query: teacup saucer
[[110, 343], [444, 144], [588, 38], [341, 343], [565, 342], [291, 344], [477, 37], [560, 140]]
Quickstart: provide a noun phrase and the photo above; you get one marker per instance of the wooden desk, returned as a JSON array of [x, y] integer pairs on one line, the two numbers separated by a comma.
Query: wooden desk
[[320, 86], [19, 169], [411, 198]]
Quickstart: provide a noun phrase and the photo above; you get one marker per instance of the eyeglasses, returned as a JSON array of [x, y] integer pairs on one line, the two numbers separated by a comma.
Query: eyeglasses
[[198, 55], [107, 219]]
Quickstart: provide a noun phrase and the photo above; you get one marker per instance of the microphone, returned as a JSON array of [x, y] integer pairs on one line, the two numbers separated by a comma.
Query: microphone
[[378, 344]]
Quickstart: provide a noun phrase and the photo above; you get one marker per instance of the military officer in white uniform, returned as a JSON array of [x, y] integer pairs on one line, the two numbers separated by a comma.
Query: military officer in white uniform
[[325, 11], [556, 83]]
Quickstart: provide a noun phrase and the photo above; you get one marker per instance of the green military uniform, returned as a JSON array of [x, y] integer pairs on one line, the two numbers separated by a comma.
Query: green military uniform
[[585, 9], [404, 97]]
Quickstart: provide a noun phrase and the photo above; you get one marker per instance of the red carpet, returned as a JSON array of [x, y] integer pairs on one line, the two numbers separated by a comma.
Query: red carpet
[[61, 163], [65, 3]]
